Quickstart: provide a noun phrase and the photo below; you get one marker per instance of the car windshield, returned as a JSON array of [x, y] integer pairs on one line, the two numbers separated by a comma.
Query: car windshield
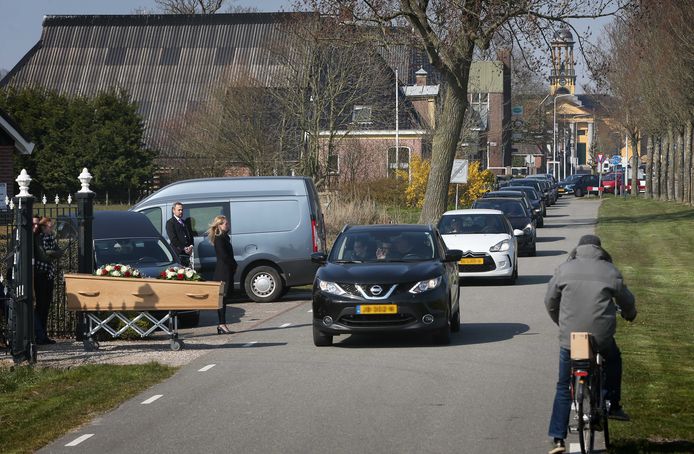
[[472, 224], [131, 251], [530, 192], [380, 245], [511, 208]]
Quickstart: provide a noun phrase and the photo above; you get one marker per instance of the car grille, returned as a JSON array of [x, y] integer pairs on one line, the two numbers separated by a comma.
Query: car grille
[[488, 264], [367, 290], [376, 320]]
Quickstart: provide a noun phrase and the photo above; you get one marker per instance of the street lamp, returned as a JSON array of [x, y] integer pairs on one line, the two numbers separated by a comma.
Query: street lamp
[[554, 139]]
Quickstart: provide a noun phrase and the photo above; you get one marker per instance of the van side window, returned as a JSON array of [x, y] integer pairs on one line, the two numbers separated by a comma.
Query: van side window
[[265, 216], [200, 215], [154, 216]]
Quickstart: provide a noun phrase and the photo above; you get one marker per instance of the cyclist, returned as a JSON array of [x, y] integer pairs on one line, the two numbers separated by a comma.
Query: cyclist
[[581, 297]]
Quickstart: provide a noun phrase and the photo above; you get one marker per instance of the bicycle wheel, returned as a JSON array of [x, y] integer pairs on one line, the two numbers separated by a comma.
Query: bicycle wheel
[[586, 431]]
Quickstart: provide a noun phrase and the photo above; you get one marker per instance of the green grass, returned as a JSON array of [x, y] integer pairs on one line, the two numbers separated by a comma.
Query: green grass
[[653, 245], [38, 405]]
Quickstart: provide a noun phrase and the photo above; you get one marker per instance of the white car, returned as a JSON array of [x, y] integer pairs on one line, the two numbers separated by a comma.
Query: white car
[[488, 242]]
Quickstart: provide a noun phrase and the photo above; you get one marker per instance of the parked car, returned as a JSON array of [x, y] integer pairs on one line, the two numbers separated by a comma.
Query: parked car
[[520, 195], [581, 185], [276, 224], [519, 218], [566, 186], [488, 242], [382, 278], [612, 182], [554, 185], [535, 200], [128, 238], [542, 189]]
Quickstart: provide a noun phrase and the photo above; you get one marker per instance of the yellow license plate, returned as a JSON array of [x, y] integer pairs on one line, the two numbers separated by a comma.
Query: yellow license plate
[[377, 309], [472, 261]]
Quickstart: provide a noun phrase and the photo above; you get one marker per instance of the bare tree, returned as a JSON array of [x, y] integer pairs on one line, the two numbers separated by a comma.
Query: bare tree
[[190, 6], [450, 32]]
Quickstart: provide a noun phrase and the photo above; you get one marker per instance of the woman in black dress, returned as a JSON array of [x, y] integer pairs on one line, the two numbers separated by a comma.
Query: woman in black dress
[[224, 270]]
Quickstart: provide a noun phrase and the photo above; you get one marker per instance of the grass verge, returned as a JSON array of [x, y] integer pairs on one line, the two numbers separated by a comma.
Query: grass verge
[[653, 245], [38, 405]]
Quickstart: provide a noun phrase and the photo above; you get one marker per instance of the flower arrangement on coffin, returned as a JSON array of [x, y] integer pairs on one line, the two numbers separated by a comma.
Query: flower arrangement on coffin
[[176, 273], [117, 270]]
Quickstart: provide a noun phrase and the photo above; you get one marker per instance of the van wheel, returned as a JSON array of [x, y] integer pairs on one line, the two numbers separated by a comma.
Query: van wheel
[[578, 192], [263, 284]]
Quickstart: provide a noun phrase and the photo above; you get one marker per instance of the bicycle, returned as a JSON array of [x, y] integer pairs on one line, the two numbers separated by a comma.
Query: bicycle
[[588, 398]]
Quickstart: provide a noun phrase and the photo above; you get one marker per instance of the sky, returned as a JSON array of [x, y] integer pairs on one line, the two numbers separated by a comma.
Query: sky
[[22, 21]]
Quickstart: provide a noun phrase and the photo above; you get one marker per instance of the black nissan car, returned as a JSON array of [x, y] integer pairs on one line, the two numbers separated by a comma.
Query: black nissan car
[[381, 278]]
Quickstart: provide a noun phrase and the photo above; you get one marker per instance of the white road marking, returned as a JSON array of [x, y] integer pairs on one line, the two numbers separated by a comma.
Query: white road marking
[[152, 399], [206, 368], [285, 325], [250, 344], [80, 439], [574, 447]]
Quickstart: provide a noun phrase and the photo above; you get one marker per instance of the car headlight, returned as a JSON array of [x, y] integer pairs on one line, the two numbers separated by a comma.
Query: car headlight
[[425, 286], [331, 287], [501, 246], [528, 229]]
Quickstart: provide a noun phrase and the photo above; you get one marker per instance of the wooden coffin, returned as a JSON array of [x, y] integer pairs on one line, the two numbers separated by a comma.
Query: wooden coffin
[[99, 293]]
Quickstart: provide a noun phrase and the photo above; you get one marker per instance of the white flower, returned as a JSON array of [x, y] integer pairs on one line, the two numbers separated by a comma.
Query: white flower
[[115, 273], [190, 273], [108, 268]]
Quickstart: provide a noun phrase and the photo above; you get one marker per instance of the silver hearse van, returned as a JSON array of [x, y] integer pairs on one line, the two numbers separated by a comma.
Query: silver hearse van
[[276, 224]]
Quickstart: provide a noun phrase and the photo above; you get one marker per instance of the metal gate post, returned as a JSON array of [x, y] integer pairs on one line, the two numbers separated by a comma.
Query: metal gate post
[[85, 243], [23, 333]]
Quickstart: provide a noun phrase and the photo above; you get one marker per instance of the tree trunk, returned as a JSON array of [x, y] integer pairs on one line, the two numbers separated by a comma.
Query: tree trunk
[[688, 164], [445, 143], [634, 139], [663, 167], [671, 164], [679, 164], [650, 167]]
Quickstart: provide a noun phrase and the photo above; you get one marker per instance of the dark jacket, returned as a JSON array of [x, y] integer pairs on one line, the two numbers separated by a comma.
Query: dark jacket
[[179, 235], [581, 296], [226, 266]]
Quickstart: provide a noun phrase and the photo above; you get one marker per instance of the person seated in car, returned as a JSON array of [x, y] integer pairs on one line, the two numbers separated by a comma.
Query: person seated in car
[[359, 250], [454, 226], [402, 247], [384, 250]]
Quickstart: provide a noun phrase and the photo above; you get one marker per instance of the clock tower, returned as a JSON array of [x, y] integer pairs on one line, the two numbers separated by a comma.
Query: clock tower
[[563, 77]]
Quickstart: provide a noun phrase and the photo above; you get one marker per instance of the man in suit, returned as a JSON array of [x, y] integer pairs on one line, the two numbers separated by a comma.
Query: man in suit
[[180, 235]]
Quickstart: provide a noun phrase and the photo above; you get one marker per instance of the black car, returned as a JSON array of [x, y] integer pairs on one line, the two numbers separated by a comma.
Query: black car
[[538, 185], [535, 200], [519, 217], [581, 185], [384, 278], [534, 209]]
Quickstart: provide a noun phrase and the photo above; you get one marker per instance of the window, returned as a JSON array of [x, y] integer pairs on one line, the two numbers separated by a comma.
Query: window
[[581, 132], [200, 216], [479, 110], [265, 216], [333, 165], [398, 159], [154, 216], [361, 114]]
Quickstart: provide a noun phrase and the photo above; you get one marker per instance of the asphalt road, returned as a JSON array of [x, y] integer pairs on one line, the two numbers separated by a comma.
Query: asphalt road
[[269, 390]]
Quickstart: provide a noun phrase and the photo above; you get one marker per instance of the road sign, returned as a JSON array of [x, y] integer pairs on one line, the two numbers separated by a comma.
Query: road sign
[[616, 160], [459, 171], [517, 110], [601, 157]]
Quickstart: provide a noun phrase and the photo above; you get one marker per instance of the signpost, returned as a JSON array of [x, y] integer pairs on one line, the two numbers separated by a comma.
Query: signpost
[[459, 175]]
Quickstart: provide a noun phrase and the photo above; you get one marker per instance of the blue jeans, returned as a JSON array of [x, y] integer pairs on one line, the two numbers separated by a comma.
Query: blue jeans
[[562, 399]]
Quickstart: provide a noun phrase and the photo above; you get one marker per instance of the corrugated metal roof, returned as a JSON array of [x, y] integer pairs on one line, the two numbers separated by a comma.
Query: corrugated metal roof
[[167, 63]]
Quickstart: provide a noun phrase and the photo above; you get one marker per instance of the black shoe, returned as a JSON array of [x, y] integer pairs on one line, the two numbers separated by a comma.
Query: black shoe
[[618, 414], [223, 330], [558, 446]]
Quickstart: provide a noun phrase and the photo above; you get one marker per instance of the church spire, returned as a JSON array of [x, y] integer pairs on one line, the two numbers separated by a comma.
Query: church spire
[[563, 76]]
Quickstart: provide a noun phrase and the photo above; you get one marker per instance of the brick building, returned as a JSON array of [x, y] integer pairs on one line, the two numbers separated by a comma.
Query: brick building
[[12, 141]]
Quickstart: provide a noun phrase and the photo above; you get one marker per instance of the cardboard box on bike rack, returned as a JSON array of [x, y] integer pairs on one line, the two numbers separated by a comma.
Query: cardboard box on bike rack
[[580, 346]]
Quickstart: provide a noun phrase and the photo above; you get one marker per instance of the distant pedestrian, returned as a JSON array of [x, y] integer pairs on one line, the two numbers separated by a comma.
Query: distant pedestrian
[[224, 269], [180, 234], [46, 252]]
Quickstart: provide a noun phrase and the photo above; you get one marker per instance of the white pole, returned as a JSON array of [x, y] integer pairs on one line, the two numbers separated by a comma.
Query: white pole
[[397, 125], [554, 138]]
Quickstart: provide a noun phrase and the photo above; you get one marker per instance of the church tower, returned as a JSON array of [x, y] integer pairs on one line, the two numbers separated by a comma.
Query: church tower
[[563, 77]]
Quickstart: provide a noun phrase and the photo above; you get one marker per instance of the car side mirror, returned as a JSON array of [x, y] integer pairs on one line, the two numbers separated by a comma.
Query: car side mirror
[[453, 255], [518, 232], [319, 257]]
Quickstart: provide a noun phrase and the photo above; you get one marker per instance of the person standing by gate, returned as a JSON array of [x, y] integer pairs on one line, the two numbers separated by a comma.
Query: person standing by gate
[[46, 252], [224, 269], [179, 233]]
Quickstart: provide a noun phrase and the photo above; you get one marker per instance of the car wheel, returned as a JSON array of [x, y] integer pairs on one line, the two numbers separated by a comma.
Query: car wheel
[[541, 222], [321, 339], [514, 277], [533, 250], [455, 321], [443, 335], [578, 192], [263, 284]]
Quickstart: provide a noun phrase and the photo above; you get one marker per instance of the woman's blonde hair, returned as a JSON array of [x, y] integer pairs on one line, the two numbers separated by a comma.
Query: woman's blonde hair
[[214, 231]]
